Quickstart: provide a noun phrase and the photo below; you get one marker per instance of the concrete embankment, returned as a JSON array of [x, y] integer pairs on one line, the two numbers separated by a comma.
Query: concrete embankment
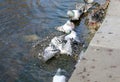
[[101, 61]]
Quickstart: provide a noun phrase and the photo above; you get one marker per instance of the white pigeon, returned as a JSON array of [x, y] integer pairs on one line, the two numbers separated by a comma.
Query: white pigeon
[[72, 36], [57, 41], [83, 7], [59, 77], [53, 48], [66, 48], [48, 53], [87, 7], [80, 6], [89, 1], [67, 27], [74, 14], [61, 45]]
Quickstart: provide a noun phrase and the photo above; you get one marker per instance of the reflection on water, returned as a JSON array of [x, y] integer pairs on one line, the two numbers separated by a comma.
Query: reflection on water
[[19, 18]]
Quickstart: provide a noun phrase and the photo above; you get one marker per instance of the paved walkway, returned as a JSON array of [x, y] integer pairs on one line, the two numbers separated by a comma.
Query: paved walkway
[[101, 61]]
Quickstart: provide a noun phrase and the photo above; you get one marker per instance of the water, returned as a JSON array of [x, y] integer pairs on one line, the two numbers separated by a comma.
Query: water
[[24, 22]]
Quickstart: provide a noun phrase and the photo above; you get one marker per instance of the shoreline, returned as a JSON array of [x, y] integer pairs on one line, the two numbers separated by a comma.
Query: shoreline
[[100, 62]]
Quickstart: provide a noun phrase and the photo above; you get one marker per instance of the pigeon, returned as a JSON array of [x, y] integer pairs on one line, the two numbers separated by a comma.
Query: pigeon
[[67, 27], [59, 77], [72, 36], [74, 14], [48, 53], [64, 46], [89, 1], [80, 6], [57, 45]]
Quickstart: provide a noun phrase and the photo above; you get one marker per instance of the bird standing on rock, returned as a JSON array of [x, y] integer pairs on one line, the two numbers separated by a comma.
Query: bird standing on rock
[[67, 27], [74, 14], [72, 36], [48, 53], [63, 47], [84, 7]]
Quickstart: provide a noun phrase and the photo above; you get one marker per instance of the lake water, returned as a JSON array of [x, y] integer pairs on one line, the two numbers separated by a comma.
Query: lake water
[[23, 23]]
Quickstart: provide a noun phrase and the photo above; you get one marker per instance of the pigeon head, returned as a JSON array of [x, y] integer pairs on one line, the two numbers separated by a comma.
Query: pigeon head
[[89, 1], [60, 72], [40, 56], [70, 14]]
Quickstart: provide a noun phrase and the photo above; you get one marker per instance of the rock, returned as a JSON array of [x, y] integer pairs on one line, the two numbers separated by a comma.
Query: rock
[[31, 38]]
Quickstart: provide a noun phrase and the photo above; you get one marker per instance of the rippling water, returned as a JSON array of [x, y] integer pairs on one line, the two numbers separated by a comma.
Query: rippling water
[[35, 19]]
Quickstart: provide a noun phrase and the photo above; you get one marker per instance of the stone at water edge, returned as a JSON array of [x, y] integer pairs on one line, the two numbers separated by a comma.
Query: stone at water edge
[[31, 38]]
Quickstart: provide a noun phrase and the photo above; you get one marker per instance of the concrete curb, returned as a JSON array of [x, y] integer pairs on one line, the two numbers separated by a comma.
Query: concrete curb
[[101, 61]]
